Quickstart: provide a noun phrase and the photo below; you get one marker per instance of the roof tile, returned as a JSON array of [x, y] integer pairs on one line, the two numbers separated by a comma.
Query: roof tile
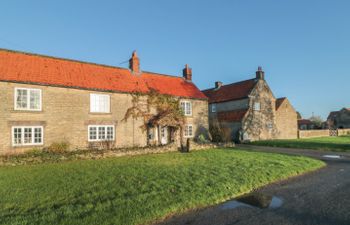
[[45, 70]]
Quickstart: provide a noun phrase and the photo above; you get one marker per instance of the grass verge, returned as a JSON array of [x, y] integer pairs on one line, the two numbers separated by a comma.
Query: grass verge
[[336, 144], [137, 190]]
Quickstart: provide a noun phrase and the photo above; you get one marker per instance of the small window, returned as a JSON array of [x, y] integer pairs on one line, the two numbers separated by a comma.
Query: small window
[[269, 126], [101, 133], [27, 135], [186, 107], [189, 131], [99, 103], [27, 99], [213, 108], [257, 106]]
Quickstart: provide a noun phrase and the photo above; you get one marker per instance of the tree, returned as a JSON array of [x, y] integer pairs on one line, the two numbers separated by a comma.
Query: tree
[[316, 120]]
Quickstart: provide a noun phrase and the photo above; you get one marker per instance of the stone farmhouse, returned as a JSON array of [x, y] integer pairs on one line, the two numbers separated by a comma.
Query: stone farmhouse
[[339, 119], [47, 99], [248, 110]]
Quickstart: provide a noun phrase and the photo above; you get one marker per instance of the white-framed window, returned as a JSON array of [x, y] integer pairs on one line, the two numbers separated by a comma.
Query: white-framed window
[[256, 106], [186, 107], [188, 130], [27, 135], [28, 99], [213, 107], [99, 103], [101, 133]]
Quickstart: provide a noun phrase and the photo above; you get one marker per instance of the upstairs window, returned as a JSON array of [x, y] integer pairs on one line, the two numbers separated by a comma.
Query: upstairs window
[[186, 107], [27, 99], [188, 130], [99, 103], [27, 135], [213, 108], [257, 106], [101, 133]]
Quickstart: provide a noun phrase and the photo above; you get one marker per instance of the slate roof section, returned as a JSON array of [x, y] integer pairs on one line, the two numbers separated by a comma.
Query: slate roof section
[[232, 116], [230, 92], [45, 70]]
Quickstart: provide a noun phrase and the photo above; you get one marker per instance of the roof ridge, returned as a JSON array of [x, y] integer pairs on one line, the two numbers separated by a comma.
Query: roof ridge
[[79, 61], [60, 58], [225, 85]]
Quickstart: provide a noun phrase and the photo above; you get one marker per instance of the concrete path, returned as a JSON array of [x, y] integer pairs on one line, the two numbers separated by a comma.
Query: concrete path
[[321, 197]]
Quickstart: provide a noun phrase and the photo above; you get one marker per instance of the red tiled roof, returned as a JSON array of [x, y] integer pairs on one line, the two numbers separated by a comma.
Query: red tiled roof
[[230, 92], [279, 102], [232, 116], [304, 122], [44, 70]]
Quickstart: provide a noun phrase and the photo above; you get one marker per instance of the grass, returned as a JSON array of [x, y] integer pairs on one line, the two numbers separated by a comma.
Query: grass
[[136, 190], [337, 144]]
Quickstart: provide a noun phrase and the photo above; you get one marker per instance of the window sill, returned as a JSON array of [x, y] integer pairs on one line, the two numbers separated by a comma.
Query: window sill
[[99, 113], [26, 111]]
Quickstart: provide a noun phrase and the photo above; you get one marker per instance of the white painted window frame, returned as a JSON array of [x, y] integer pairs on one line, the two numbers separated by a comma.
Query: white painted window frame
[[184, 109], [255, 106], [22, 137], [97, 138], [213, 108], [28, 99], [187, 129], [93, 110]]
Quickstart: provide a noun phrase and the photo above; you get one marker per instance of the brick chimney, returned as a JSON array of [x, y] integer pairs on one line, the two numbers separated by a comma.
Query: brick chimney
[[134, 63], [218, 84], [260, 74], [187, 73]]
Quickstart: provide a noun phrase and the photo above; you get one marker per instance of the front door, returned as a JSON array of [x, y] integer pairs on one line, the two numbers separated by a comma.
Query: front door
[[164, 136]]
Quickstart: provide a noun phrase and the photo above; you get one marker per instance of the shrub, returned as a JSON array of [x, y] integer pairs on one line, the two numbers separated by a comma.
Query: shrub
[[58, 147]]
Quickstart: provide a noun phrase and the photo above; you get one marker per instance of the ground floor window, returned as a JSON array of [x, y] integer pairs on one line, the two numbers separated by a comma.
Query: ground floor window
[[27, 135], [101, 133], [189, 130]]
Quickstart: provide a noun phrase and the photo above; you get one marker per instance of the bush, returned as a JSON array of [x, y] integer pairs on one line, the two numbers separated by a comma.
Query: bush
[[58, 147]]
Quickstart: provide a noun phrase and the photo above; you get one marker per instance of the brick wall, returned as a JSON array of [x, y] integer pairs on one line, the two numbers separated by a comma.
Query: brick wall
[[66, 115]]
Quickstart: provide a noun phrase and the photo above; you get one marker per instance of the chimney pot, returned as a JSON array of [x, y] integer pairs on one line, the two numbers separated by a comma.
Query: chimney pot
[[134, 63], [187, 73], [260, 74]]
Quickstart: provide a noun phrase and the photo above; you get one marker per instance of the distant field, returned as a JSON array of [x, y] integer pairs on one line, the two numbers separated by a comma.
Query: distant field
[[138, 189], [340, 144]]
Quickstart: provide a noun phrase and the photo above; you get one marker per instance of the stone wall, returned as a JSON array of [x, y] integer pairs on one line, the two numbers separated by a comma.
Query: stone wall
[[66, 115], [342, 132], [312, 133], [286, 121]]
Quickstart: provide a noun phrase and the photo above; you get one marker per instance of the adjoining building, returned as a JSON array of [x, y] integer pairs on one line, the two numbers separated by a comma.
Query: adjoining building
[[47, 99], [248, 110], [339, 119]]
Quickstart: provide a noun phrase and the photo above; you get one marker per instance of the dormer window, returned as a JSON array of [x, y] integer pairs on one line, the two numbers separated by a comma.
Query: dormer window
[[186, 107], [256, 106]]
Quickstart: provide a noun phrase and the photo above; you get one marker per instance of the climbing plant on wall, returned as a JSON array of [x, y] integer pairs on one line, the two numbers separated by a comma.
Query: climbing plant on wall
[[156, 110]]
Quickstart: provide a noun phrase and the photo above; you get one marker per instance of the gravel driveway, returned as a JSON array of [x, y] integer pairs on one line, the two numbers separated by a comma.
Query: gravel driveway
[[321, 197]]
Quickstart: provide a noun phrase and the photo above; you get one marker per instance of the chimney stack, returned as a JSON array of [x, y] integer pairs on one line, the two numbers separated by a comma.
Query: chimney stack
[[134, 63], [187, 73], [218, 84], [260, 74]]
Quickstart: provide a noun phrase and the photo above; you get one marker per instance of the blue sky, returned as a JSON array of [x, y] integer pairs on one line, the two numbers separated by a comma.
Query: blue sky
[[303, 46]]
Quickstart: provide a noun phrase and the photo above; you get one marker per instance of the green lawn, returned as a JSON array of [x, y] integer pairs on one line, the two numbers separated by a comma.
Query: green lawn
[[136, 190], [339, 144]]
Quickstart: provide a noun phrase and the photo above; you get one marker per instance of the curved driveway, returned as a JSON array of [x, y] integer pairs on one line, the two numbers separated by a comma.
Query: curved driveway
[[321, 197]]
